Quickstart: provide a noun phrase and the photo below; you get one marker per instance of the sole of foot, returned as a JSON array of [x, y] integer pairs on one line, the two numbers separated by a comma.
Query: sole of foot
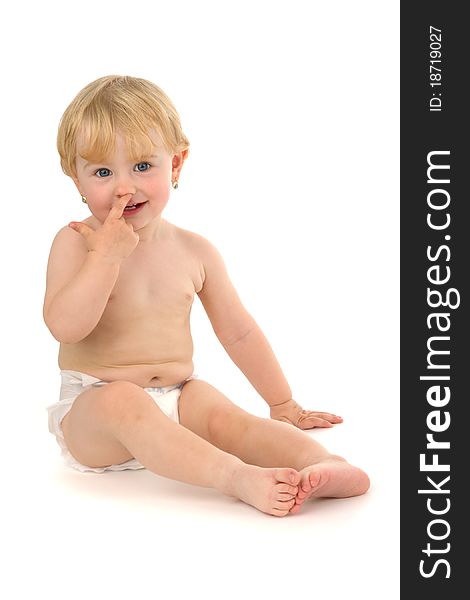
[[332, 478]]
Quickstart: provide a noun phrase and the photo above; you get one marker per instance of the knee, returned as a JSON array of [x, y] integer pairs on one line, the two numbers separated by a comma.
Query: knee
[[119, 399]]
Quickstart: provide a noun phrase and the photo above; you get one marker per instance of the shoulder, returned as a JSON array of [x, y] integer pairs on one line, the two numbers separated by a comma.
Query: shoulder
[[211, 264], [68, 235], [67, 238], [195, 243]]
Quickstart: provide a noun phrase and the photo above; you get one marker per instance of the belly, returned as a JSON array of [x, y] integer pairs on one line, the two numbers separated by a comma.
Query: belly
[[149, 358]]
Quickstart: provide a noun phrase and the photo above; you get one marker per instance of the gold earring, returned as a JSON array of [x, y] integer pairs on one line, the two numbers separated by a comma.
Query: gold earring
[[84, 199], [175, 184]]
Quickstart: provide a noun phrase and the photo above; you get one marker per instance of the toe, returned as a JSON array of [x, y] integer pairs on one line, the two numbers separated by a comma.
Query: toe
[[286, 488], [279, 505], [284, 497], [314, 479], [301, 494], [279, 513], [295, 509], [290, 476]]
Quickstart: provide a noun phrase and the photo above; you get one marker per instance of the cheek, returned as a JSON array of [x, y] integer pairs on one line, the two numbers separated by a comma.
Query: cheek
[[160, 191], [98, 204]]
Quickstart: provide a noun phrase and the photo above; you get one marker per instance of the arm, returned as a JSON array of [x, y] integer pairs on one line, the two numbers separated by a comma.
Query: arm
[[253, 355], [78, 287], [247, 346], [238, 332], [82, 270]]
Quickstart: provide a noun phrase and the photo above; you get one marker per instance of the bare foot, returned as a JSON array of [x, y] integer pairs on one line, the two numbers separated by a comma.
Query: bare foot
[[330, 478], [272, 491]]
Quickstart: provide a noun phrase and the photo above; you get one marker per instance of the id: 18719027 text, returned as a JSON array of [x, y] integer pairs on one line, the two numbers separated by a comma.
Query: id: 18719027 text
[[435, 68]]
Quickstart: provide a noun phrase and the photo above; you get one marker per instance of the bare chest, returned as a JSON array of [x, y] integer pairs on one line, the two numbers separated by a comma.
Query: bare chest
[[154, 283]]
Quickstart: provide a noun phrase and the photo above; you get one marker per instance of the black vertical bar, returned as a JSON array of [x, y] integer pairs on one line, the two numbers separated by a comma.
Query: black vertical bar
[[435, 270]]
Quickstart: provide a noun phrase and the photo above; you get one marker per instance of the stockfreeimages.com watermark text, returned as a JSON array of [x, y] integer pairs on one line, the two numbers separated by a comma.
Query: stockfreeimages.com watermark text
[[442, 298]]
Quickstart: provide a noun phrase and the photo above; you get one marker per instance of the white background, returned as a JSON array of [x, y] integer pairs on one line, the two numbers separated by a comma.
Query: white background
[[292, 114]]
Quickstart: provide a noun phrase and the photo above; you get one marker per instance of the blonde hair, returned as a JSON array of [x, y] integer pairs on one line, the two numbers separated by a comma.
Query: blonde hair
[[130, 105]]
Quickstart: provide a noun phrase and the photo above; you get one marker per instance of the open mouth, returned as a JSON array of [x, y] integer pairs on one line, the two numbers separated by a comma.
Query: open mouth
[[133, 208]]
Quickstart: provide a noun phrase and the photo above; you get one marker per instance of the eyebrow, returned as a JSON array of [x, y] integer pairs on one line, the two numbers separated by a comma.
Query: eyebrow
[[93, 164]]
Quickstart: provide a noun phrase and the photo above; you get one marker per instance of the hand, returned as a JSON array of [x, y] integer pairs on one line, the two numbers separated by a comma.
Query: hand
[[115, 238], [291, 412]]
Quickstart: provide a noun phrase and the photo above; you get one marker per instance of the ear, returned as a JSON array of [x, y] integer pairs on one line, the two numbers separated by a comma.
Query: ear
[[177, 162]]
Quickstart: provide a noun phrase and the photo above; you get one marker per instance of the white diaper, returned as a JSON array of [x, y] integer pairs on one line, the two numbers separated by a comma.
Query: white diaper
[[74, 383]]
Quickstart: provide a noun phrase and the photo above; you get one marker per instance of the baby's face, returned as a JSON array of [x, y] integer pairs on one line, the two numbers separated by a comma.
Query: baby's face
[[148, 181]]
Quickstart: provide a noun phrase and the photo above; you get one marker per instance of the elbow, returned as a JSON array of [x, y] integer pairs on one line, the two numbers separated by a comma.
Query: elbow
[[234, 338], [66, 337], [238, 330], [60, 331], [63, 337]]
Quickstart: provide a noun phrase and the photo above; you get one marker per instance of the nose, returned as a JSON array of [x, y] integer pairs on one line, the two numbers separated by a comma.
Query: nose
[[124, 185]]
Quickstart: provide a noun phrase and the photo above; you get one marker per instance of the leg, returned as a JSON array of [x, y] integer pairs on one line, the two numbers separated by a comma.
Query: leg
[[113, 423], [265, 442]]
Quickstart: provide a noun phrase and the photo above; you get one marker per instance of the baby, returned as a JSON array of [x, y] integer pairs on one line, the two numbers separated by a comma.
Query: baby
[[120, 285]]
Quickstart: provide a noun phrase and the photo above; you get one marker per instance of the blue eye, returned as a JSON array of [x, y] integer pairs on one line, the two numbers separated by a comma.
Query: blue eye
[[102, 172], [143, 166]]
